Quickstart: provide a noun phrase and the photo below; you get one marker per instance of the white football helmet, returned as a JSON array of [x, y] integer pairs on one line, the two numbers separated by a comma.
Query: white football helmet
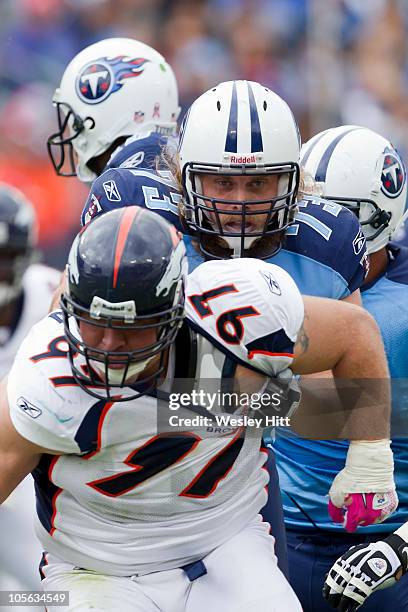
[[239, 128], [117, 87], [363, 171]]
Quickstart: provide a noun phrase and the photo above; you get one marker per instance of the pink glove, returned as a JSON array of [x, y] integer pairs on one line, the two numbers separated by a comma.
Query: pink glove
[[363, 509]]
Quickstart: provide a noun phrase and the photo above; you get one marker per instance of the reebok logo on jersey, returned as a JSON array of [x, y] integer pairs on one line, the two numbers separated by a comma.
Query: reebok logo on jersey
[[379, 566], [112, 192], [29, 408], [271, 282]]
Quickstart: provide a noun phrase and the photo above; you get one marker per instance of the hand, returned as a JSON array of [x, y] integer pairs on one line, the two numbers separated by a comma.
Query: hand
[[364, 569], [363, 492], [363, 509]]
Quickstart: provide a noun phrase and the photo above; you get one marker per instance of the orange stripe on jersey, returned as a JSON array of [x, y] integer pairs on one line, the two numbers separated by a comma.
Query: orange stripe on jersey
[[252, 354], [127, 219], [54, 497]]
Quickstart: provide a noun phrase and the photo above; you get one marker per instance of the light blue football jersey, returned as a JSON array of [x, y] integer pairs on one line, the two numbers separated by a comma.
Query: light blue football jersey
[[307, 467], [324, 250]]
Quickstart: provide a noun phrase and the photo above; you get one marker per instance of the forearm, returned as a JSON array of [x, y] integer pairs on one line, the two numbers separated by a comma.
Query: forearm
[[363, 385], [355, 404]]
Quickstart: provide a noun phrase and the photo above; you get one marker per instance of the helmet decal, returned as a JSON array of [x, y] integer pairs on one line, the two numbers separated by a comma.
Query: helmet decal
[[320, 175], [392, 175], [231, 142], [99, 79], [128, 216], [256, 134]]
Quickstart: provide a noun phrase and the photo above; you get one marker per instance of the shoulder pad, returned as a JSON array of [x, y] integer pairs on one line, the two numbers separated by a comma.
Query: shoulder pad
[[143, 187], [40, 410], [139, 152], [330, 234], [250, 309]]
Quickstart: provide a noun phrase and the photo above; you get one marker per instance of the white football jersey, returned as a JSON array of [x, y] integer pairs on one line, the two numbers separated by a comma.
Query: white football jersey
[[39, 284], [121, 498]]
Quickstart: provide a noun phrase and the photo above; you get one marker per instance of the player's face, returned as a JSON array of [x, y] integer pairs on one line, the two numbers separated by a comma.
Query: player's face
[[243, 188], [121, 340]]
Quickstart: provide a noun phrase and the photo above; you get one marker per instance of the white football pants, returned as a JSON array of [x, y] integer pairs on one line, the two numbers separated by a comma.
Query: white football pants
[[242, 576]]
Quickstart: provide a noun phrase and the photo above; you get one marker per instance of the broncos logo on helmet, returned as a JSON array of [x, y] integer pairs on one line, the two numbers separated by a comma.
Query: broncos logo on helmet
[[99, 79]]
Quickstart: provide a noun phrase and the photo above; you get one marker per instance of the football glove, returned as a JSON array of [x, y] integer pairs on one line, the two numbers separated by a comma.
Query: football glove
[[364, 569], [363, 492]]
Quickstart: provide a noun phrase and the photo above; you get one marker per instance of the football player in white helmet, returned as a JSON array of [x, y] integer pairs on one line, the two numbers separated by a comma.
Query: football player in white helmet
[[238, 184], [137, 518], [25, 290], [239, 168], [363, 171], [112, 90]]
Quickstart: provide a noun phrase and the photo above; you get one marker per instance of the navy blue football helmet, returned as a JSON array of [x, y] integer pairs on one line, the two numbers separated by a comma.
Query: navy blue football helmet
[[126, 271], [17, 241]]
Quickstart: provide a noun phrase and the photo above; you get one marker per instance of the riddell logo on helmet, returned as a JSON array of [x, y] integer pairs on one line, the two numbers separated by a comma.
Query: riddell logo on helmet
[[242, 159]]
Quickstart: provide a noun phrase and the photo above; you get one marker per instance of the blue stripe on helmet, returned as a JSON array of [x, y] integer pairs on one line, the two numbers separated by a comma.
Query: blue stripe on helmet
[[256, 135], [306, 155], [231, 142], [320, 175]]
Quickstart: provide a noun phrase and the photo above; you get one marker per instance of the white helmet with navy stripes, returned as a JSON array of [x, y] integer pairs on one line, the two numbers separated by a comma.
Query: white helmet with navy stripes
[[237, 128], [363, 171]]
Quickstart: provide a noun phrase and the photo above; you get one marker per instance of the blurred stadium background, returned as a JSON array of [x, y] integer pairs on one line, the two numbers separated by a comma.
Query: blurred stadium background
[[334, 61]]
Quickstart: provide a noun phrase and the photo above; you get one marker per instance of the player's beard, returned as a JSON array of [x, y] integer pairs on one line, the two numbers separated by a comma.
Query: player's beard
[[260, 248], [233, 223]]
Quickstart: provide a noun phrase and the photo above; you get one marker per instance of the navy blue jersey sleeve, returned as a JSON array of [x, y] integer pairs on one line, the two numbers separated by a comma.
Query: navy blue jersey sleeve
[[331, 234], [144, 187], [139, 152]]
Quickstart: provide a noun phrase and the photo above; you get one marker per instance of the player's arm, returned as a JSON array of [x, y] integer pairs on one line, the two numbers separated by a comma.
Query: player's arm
[[354, 298], [18, 456], [345, 338], [341, 337]]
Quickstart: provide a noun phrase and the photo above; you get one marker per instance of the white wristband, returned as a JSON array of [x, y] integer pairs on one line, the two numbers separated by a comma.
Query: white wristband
[[369, 469]]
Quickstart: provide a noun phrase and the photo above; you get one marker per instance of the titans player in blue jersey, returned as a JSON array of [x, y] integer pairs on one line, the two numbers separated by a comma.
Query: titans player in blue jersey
[[324, 248], [359, 169]]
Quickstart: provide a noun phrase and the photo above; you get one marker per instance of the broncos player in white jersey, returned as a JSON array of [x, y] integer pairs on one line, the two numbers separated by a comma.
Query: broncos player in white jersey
[[131, 517], [25, 290]]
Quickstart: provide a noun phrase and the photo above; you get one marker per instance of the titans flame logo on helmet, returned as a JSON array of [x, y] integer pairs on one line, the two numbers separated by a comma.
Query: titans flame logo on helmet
[[103, 77], [393, 174]]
